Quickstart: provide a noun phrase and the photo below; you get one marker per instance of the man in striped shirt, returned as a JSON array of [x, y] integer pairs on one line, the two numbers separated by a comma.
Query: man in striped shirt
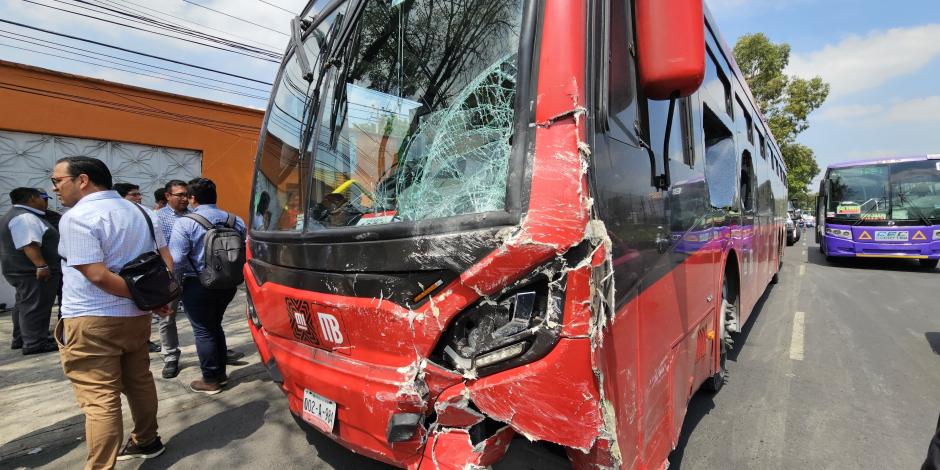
[[177, 197]]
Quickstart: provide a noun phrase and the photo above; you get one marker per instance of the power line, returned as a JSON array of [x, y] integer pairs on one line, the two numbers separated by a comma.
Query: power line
[[182, 100], [235, 17], [222, 126], [151, 74], [98, 53], [248, 54], [146, 18], [112, 3], [278, 7], [132, 51]]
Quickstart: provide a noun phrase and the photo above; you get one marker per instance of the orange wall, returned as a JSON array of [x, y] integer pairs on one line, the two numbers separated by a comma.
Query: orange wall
[[227, 135]]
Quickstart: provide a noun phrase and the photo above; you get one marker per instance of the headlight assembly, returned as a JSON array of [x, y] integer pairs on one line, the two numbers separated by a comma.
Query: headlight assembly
[[839, 233], [520, 326]]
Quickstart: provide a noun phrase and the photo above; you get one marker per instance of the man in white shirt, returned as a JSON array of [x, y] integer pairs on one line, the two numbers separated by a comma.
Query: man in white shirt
[[103, 335], [30, 262]]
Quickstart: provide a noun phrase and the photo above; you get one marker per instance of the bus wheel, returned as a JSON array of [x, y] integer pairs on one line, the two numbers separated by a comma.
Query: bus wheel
[[725, 311], [776, 277], [929, 263]]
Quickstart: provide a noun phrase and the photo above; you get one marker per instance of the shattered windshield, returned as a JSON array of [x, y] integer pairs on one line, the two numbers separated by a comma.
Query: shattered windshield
[[904, 192], [417, 116]]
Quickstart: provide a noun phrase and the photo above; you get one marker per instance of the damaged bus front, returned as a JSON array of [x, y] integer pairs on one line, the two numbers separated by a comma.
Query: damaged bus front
[[429, 276]]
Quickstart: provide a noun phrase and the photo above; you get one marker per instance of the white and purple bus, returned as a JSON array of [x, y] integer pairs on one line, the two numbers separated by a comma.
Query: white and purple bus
[[884, 208]]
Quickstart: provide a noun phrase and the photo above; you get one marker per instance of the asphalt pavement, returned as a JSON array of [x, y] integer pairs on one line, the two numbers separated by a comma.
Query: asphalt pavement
[[839, 368]]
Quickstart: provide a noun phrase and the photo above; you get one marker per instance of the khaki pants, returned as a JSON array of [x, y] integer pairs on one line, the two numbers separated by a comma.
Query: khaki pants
[[104, 357]]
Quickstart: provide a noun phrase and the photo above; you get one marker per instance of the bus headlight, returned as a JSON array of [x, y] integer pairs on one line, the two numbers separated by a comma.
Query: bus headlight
[[839, 233], [936, 234], [520, 326]]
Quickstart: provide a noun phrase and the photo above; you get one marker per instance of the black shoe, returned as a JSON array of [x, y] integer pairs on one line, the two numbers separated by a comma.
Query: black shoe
[[153, 347], [171, 369], [16, 344], [232, 357], [45, 347], [133, 451]]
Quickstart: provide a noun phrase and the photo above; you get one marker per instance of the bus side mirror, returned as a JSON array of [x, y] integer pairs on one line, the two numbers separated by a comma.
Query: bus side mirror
[[671, 47]]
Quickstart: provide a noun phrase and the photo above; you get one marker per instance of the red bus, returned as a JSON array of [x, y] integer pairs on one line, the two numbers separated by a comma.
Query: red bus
[[480, 220]]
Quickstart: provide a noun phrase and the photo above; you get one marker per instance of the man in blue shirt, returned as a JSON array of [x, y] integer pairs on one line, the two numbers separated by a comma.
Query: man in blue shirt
[[204, 307], [177, 205], [103, 335], [30, 263]]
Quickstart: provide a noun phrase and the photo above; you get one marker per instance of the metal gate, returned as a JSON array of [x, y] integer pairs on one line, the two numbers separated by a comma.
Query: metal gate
[[27, 160]]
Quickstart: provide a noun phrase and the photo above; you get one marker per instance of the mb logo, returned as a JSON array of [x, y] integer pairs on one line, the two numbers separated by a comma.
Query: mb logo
[[329, 325], [304, 323]]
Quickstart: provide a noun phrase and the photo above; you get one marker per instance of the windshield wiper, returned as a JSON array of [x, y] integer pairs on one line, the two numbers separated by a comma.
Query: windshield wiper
[[861, 216], [325, 44], [338, 56], [902, 196]]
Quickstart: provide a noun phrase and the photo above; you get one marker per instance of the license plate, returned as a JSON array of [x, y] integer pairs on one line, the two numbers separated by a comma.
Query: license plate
[[319, 411], [891, 235]]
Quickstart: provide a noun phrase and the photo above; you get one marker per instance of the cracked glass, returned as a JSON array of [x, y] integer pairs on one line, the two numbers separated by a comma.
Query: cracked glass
[[417, 115]]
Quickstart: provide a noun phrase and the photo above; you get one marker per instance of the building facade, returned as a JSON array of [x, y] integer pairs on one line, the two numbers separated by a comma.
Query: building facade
[[145, 136]]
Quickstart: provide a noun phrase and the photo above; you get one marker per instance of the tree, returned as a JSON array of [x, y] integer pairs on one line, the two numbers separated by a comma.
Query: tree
[[785, 101]]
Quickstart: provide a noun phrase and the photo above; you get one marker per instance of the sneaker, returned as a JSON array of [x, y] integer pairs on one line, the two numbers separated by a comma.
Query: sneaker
[[232, 357], [201, 386], [153, 347], [44, 347], [171, 369], [134, 451]]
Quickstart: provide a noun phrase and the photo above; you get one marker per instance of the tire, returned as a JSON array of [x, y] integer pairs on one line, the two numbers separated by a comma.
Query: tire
[[715, 382], [776, 278], [929, 263]]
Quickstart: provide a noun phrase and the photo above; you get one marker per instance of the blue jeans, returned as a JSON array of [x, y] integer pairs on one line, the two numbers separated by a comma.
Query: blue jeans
[[205, 308]]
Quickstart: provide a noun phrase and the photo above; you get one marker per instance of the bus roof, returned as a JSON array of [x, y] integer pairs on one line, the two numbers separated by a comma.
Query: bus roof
[[881, 160]]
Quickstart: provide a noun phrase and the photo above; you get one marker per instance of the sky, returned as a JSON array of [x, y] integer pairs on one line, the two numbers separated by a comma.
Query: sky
[[881, 58]]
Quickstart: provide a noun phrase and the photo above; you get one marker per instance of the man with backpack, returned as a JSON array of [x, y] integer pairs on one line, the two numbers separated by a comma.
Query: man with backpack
[[208, 247]]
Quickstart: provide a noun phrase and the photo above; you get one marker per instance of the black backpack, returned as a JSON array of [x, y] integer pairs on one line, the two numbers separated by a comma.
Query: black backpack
[[224, 255]]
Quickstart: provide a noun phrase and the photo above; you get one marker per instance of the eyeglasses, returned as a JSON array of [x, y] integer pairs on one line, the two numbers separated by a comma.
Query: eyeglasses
[[56, 181], [135, 193], [179, 195]]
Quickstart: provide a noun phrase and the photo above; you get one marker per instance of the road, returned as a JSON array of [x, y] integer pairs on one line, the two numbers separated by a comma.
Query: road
[[859, 389]]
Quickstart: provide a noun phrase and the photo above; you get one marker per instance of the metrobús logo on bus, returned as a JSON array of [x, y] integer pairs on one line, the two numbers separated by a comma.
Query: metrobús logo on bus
[[323, 330]]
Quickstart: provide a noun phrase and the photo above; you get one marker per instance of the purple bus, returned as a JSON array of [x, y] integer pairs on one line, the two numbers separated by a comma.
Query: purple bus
[[885, 208]]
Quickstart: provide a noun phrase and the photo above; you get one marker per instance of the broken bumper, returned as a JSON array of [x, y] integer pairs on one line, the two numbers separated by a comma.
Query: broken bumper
[[368, 397]]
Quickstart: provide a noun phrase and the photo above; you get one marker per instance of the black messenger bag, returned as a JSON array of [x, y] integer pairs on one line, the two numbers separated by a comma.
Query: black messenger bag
[[150, 282]]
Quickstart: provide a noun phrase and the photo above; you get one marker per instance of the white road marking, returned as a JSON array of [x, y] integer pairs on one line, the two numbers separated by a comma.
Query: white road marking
[[796, 341], [802, 269]]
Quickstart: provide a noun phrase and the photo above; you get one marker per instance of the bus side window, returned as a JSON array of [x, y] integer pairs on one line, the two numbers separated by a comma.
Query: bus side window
[[720, 161], [747, 183], [658, 112]]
